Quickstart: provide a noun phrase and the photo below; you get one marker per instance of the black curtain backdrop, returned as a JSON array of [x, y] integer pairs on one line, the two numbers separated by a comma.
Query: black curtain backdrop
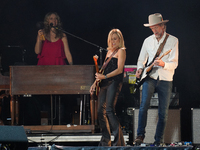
[[93, 19]]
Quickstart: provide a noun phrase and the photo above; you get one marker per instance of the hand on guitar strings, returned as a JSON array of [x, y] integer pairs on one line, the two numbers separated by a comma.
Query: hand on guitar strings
[[99, 76], [138, 73]]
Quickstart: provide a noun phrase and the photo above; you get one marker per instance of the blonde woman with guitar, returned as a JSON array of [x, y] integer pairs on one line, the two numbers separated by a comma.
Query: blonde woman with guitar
[[110, 78]]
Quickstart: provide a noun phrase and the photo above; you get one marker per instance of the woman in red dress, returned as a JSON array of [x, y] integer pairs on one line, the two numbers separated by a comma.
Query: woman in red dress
[[52, 49], [52, 45]]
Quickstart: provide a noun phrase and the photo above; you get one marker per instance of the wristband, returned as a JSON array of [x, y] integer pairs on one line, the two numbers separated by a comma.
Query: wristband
[[105, 77]]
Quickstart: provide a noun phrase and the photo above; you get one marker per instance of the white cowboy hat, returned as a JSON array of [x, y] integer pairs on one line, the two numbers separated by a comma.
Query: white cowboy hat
[[155, 19]]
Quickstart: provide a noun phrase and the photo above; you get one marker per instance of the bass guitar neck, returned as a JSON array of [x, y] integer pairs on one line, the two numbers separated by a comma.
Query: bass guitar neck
[[95, 58]]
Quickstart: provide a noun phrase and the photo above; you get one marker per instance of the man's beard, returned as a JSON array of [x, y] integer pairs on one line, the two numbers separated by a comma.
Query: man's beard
[[159, 35]]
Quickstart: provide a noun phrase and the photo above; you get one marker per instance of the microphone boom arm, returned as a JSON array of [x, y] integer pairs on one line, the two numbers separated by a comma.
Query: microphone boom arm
[[100, 48]]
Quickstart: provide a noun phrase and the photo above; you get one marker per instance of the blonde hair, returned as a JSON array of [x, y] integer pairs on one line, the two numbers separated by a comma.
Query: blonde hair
[[121, 38]]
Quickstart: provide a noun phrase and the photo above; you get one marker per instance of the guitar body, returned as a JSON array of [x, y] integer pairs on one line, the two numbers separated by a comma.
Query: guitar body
[[94, 97], [140, 81]]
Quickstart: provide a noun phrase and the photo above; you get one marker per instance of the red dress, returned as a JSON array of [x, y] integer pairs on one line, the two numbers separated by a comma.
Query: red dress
[[52, 53]]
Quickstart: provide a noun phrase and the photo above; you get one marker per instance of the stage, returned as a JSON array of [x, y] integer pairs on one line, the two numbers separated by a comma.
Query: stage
[[81, 140], [41, 131], [33, 138], [86, 141], [56, 147]]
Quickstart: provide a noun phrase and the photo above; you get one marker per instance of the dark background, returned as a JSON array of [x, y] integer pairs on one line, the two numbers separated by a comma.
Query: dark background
[[93, 19]]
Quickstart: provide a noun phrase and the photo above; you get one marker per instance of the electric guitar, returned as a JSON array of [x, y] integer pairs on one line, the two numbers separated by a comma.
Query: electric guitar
[[95, 58], [146, 71]]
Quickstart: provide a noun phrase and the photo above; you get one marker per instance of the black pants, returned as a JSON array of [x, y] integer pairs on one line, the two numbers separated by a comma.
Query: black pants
[[106, 114]]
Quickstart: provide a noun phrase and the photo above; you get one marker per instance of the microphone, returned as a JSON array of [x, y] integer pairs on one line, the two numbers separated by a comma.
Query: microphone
[[51, 25]]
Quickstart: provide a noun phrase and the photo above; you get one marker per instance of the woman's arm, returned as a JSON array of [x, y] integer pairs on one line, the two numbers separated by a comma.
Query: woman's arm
[[38, 45], [66, 49]]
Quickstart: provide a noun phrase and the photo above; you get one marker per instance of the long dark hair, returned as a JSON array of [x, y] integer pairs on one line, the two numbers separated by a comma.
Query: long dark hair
[[47, 28]]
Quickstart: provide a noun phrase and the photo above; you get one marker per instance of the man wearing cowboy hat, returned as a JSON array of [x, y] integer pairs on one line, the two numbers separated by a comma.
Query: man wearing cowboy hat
[[160, 78]]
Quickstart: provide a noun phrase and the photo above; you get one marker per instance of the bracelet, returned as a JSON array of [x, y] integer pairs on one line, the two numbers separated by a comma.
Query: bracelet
[[105, 77]]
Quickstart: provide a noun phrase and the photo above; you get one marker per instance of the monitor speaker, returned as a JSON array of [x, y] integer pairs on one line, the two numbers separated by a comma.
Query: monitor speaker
[[13, 137], [195, 125], [173, 127]]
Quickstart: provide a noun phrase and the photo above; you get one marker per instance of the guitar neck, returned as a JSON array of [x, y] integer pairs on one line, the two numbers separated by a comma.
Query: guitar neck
[[97, 68], [150, 67], [164, 54], [96, 64]]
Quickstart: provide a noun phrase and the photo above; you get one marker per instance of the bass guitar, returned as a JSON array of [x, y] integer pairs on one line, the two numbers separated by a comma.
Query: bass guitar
[[145, 73], [95, 58], [94, 97]]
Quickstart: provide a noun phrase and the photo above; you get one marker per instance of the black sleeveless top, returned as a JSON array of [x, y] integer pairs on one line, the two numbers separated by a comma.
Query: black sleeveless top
[[112, 65]]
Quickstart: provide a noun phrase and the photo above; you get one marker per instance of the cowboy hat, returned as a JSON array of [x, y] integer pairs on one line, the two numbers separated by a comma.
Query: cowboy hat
[[155, 19]]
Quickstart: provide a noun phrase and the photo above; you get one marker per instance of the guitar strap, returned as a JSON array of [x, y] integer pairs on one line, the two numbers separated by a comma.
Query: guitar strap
[[160, 48], [106, 62]]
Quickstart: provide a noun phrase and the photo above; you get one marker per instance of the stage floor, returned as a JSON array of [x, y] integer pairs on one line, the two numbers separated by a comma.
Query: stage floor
[[57, 147], [74, 138], [85, 141]]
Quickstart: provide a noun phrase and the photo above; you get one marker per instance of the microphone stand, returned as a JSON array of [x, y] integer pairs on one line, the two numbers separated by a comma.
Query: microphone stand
[[83, 99], [100, 48]]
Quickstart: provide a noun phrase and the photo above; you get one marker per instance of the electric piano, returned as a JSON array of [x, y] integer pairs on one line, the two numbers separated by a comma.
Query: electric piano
[[43, 80]]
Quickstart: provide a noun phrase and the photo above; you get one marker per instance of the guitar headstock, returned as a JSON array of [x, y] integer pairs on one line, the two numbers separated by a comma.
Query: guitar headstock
[[95, 57]]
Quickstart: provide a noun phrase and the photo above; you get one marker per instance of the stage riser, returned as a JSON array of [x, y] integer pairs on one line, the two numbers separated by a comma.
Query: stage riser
[[69, 138], [38, 148], [173, 127], [196, 126]]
